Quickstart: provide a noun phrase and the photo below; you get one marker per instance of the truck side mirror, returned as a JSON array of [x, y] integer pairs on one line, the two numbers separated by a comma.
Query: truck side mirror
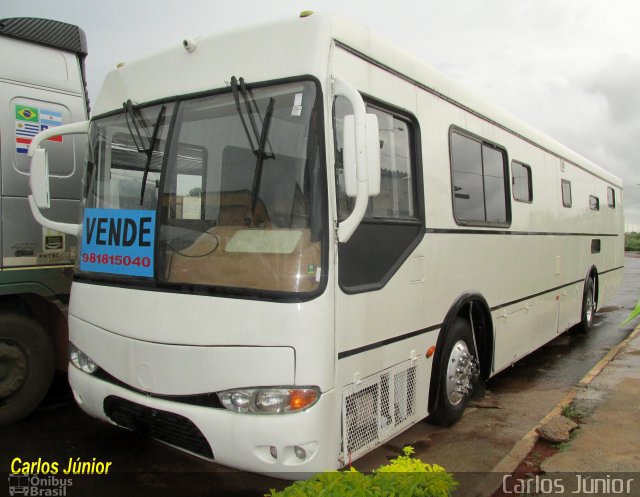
[[39, 179]]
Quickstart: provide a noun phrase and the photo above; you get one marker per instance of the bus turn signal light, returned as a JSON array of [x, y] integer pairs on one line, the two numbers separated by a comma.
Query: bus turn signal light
[[430, 351], [299, 399]]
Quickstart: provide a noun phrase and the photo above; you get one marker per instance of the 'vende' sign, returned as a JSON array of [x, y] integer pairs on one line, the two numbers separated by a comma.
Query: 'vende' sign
[[118, 241]]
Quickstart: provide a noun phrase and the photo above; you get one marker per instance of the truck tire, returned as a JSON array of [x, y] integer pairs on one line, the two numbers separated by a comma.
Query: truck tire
[[27, 363]]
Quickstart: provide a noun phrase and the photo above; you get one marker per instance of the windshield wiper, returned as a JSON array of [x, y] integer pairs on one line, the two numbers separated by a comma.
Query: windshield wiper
[[261, 138], [149, 152], [139, 141], [248, 101], [261, 155], [234, 90], [130, 117]]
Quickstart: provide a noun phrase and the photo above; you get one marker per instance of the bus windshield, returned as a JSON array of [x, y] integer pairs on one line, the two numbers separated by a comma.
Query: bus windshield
[[234, 181]]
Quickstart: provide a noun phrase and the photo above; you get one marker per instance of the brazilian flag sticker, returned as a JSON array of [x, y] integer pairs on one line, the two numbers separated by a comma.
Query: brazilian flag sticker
[[24, 113]]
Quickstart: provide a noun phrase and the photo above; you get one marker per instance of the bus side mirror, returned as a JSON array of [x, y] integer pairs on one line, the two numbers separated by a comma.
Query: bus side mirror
[[39, 176], [349, 156], [39, 179], [371, 153]]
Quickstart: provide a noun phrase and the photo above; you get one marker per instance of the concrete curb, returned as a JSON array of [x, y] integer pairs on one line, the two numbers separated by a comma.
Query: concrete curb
[[521, 449]]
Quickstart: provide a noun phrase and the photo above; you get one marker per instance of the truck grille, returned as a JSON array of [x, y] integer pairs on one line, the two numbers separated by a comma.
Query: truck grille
[[165, 426]]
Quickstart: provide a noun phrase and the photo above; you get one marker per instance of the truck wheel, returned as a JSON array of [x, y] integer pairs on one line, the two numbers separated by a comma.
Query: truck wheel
[[458, 373], [27, 365]]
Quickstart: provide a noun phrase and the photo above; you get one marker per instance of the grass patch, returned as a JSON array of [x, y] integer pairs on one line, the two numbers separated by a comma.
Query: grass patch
[[565, 445], [573, 413]]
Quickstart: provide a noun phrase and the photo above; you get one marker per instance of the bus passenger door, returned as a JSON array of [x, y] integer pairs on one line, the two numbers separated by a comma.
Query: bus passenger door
[[381, 285]]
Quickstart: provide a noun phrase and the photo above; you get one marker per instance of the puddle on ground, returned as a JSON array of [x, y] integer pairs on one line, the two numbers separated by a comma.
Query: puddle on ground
[[610, 308]]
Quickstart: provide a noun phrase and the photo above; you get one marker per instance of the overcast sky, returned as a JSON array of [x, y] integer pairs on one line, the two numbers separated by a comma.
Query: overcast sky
[[569, 67]]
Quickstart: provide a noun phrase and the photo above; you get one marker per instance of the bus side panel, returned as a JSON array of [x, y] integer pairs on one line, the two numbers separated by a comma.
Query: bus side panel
[[530, 306]]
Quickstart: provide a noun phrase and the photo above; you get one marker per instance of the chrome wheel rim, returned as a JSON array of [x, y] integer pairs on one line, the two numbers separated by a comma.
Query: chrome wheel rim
[[591, 304], [462, 371]]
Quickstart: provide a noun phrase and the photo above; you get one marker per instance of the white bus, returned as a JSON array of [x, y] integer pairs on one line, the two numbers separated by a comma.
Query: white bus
[[298, 241]]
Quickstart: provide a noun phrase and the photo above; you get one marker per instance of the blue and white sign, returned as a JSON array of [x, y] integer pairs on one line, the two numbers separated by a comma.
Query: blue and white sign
[[118, 241]]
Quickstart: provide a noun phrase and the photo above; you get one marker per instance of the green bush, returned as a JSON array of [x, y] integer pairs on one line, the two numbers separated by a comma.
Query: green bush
[[632, 242], [404, 476]]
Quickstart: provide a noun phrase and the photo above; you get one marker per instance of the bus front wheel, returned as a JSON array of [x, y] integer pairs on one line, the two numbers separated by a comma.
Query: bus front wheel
[[26, 366], [458, 374]]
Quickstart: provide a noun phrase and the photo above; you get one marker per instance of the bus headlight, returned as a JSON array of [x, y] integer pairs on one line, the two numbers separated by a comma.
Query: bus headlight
[[269, 400], [81, 360]]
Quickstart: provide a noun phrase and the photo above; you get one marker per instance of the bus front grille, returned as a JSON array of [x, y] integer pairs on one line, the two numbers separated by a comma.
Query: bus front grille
[[167, 427]]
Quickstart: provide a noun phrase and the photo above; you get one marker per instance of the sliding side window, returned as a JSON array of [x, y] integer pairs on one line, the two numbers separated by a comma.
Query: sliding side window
[[478, 171], [521, 183]]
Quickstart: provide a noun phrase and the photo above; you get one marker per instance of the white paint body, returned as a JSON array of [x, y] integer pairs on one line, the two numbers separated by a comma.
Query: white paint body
[[179, 344]]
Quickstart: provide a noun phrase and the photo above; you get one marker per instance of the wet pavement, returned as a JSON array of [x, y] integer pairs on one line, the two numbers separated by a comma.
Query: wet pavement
[[608, 439], [520, 397]]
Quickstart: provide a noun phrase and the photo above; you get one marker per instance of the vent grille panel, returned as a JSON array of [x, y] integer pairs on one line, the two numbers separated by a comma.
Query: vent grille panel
[[377, 409], [167, 427]]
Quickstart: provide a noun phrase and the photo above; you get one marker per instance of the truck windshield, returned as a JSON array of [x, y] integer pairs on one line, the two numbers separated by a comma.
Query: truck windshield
[[235, 192]]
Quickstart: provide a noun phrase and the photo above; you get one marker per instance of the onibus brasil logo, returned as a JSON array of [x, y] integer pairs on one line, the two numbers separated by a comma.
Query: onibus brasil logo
[[37, 485]]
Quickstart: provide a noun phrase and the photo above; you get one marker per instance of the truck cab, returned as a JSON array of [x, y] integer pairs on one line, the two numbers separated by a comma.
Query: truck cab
[[42, 86]]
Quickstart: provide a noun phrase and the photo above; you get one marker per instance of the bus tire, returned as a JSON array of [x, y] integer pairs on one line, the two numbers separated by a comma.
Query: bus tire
[[27, 364], [589, 305], [458, 374]]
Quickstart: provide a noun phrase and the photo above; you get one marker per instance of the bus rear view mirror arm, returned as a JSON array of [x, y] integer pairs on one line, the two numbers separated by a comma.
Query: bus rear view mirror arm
[[40, 197], [39, 178], [361, 157]]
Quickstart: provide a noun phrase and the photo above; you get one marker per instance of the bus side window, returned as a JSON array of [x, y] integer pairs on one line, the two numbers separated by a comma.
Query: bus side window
[[521, 182], [611, 197], [566, 193], [397, 198], [479, 181]]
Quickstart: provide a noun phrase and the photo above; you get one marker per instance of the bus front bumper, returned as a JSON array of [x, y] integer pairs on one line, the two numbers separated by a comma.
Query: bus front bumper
[[291, 446]]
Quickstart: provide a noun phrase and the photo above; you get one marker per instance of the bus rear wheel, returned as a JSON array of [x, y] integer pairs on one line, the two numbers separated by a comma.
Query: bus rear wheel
[[458, 374], [589, 305], [27, 366]]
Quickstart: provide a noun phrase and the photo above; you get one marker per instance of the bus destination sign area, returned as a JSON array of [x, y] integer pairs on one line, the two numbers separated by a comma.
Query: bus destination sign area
[[118, 241]]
